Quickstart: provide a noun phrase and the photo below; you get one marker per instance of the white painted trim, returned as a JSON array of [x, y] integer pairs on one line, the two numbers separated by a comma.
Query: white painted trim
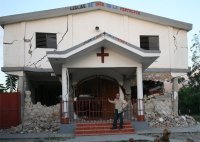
[[76, 50], [133, 50], [65, 54]]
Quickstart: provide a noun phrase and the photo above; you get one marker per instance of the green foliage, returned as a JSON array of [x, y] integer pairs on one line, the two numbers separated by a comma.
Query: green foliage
[[194, 74], [11, 82], [2, 88], [189, 97], [189, 101]]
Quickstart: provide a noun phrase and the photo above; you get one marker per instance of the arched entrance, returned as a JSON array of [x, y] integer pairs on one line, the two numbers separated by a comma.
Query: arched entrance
[[92, 97]]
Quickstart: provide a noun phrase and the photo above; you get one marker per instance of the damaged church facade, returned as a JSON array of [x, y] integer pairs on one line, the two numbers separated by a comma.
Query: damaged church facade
[[91, 52]]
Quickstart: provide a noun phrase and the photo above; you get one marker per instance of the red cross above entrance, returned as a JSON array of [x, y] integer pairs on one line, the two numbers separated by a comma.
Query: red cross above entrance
[[102, 54]]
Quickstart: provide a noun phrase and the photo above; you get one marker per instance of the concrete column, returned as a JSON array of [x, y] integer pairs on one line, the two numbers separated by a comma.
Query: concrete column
[[175, 95], [140, 94], [65, 96], [21, 90]]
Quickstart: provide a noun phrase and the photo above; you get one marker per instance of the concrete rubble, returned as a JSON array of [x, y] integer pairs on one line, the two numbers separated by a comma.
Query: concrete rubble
[[159, 113], [38, 118]]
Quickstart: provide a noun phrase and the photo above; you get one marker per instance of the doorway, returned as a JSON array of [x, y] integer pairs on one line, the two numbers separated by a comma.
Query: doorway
[[92, 95]]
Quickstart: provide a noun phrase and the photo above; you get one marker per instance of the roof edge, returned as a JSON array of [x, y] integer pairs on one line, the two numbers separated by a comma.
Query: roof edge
[[31, 69], [93, 6]]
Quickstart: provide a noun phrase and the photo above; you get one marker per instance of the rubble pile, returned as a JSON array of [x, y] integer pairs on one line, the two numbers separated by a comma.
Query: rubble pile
[[38, 118], [159, 114]]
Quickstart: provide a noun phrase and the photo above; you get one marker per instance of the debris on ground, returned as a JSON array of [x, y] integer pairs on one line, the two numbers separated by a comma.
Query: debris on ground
[[37, 118], [159, 114]]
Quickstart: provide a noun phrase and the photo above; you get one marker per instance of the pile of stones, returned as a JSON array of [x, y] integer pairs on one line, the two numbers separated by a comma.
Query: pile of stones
[[162, 121], [38, 118], [159, 114]]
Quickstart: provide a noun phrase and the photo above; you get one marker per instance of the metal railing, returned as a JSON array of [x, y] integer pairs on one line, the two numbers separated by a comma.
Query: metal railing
[[93, 110]]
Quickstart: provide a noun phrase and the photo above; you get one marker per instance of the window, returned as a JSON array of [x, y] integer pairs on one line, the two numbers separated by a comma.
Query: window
[[46, 40], [149, 42]]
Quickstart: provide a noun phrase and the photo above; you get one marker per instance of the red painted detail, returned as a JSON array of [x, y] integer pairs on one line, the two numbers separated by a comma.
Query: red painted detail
[[140, 118], [64, 120], [99, 4]]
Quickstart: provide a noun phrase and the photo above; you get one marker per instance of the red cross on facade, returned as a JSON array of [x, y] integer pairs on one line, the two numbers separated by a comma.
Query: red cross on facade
[[102, 54]]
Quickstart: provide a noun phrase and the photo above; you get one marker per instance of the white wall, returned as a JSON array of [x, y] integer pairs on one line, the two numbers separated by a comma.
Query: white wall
[[13, 53], [53, 25], [179, 48], [82, 27], [138, 27]]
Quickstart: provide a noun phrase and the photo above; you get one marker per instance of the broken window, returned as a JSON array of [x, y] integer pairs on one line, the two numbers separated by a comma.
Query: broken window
[[149, 42], [46, 40]]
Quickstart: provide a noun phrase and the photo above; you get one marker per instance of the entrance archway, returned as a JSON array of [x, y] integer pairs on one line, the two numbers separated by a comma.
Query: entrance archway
[[92, 97]]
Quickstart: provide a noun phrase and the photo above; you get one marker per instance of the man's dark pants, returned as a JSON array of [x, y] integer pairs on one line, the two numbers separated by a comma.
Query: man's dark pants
[[116, 117]]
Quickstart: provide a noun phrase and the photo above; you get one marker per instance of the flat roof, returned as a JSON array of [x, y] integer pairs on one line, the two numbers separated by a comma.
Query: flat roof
[[91, 7]]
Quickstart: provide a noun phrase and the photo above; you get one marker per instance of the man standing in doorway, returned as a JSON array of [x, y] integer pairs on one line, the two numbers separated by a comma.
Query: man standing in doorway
[[119, 108]]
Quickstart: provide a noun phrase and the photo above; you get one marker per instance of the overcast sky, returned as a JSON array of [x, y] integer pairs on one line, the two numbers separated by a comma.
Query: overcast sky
[[183, 10]]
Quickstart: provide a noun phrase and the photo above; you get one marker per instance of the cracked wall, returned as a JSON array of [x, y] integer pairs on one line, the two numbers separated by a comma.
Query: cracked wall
[[20, 49]]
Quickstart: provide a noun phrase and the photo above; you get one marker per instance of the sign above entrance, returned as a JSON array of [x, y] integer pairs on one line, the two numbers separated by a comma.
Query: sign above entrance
[[102, 54]]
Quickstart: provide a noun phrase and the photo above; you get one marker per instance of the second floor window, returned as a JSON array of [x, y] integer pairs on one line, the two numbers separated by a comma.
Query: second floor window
[[149, 42], [46, 40]]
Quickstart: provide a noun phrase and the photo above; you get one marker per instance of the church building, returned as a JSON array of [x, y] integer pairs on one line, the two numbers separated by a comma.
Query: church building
[[82, 55]]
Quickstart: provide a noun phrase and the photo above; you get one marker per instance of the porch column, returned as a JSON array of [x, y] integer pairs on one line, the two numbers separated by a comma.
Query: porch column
[[140, 94], [64, 115]]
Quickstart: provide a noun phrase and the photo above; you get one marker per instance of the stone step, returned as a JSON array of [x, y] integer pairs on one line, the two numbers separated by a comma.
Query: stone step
[[104, 132], [99, 124], [89, 129], [94, 127]]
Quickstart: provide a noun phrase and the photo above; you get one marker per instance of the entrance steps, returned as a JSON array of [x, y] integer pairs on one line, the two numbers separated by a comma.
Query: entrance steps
[[90, 129]]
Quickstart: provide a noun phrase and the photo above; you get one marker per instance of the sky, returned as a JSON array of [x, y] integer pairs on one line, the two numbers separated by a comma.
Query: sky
[[182, 10]]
